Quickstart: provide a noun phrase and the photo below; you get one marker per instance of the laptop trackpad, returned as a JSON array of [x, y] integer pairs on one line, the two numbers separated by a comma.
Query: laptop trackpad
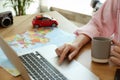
[[74, 70]]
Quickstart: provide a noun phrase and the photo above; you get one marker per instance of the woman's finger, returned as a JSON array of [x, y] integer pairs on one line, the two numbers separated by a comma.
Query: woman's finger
[[64, 53], [116, 42], [115, 54], [115, 60], [59, 50], [73, 54]]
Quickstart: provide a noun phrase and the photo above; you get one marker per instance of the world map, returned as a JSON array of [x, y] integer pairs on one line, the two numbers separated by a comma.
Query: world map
[[32, 39], [36, 38]]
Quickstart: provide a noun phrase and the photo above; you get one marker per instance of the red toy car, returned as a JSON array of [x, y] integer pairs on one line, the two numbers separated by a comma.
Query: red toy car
[[41, 21]]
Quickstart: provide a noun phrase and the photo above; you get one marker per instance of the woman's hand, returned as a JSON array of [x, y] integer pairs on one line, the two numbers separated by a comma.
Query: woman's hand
[[115, 53], [69, 51]]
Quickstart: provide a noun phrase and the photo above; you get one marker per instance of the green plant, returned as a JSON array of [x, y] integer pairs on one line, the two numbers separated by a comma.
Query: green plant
[[19, 6]]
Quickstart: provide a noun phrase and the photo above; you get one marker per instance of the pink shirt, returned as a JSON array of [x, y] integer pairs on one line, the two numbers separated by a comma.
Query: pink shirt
[[105, 22]]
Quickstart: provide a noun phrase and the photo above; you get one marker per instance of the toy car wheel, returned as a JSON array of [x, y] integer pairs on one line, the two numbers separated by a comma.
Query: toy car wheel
[[54, 25], [36, 26]]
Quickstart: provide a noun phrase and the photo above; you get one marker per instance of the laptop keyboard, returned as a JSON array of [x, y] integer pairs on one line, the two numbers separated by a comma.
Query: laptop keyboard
[[39, 68]]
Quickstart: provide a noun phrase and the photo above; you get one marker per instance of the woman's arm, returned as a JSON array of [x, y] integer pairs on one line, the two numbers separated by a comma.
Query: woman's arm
[[103, 22], [69, 51]]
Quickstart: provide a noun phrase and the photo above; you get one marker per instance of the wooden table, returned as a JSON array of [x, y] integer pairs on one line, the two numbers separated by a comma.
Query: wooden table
[[23, 23]]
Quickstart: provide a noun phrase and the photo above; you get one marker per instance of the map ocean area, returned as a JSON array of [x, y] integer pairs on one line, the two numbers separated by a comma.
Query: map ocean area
[[6, 64], [33, 39]]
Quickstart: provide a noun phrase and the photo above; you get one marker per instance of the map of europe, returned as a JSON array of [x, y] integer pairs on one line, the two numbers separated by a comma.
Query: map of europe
[[28, 38]]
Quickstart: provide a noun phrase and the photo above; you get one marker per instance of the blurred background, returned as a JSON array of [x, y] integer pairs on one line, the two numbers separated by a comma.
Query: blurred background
[[79, 11], [80, 6]]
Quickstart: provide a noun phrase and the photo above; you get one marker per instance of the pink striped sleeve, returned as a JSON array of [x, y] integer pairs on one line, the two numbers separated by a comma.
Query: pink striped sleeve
[[89, 29], [103, 22]]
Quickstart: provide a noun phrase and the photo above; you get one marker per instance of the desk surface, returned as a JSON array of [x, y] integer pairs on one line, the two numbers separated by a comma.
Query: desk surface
[[23, 23]]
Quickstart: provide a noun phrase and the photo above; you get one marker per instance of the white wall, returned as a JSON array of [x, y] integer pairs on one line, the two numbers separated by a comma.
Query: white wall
[[34, 7], [2, 9], [80, 6]]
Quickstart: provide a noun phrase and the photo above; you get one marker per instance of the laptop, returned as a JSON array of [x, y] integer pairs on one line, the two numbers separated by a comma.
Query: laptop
[[41, 64]]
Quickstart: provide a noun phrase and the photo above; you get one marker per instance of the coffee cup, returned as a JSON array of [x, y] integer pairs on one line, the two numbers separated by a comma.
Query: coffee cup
[[100, 50]]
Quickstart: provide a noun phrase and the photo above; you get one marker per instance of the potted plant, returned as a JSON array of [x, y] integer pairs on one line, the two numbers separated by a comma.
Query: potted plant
[[19, 6]]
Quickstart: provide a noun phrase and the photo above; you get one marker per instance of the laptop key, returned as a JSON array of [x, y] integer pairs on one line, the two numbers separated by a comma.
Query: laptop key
[[39, 68]]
